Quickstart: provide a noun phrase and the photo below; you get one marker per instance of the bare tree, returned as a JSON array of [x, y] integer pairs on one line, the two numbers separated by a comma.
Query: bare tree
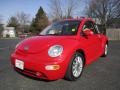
[[56, 9], [23, 20], [71, 6], [104, 10], [62, 10], [13, 22]]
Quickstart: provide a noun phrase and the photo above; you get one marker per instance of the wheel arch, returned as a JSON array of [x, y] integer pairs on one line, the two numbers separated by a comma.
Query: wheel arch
[[107, 42], [67, 73], [83, 53]]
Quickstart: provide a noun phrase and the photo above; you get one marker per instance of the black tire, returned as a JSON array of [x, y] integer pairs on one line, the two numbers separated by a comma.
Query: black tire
[[105, 50], [69, 74]]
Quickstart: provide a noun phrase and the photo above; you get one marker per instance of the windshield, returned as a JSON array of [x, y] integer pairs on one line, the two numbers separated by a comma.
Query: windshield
[[61, 28]]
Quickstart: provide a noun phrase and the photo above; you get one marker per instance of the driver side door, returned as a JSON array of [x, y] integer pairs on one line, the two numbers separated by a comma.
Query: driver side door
[[91, 43]]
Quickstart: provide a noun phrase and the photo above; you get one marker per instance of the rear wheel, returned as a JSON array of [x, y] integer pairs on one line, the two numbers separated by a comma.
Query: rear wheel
[[105, 51], [75, 67]]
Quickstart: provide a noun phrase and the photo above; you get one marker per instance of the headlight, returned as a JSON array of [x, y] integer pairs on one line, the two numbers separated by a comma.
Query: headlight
[[55, 50]]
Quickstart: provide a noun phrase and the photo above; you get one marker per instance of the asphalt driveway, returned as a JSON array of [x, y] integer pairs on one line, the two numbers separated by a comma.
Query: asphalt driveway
[[103, 74]]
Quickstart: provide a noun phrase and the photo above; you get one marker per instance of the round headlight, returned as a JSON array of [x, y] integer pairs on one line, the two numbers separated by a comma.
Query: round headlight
[[55, 50]]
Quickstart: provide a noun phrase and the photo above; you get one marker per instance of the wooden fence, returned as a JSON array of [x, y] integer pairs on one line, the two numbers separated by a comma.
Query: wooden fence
[[113, 34]]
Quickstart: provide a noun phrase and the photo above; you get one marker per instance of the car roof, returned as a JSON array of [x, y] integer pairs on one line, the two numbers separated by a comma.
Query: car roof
[[79, 19]]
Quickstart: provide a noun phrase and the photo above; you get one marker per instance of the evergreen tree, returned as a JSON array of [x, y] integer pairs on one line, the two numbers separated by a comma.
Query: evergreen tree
[[39, 22]]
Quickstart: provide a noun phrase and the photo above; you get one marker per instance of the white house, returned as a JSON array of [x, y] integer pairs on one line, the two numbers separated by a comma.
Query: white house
[[8, 32]]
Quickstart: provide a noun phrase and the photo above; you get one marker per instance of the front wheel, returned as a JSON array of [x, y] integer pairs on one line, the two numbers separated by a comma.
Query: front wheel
[[75, 67]]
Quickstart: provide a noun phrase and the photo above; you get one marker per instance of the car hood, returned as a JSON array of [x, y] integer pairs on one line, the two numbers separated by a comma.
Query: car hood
[[39, 43]]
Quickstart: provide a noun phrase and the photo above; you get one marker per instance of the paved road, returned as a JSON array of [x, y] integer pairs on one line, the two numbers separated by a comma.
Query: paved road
[[103, 74]]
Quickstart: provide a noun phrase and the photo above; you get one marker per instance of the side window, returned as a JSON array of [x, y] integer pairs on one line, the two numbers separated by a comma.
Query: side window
[[87, 26], [90, 26], [97, 29]]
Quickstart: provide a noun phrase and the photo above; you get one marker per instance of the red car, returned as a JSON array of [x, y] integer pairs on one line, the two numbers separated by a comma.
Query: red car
[[61, 50]]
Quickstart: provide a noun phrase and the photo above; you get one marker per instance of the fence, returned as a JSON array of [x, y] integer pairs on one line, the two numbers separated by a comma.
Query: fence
[[113, 34]]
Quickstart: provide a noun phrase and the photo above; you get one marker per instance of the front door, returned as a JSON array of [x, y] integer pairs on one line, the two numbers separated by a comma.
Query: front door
[[91, 43]]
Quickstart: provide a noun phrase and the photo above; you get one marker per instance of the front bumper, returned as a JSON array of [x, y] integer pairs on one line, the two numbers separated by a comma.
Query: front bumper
[[34, 66]]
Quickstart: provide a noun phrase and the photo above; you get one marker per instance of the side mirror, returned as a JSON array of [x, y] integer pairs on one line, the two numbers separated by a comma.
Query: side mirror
[[88, 32]]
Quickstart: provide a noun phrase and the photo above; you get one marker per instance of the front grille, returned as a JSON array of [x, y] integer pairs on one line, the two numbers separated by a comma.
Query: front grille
[[31, 73]]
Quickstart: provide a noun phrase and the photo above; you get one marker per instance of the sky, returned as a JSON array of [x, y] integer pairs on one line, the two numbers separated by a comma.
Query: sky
[[11, 7]]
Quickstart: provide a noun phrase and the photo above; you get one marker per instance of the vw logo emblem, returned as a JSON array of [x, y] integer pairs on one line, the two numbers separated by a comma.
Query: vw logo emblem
[[26, 48]]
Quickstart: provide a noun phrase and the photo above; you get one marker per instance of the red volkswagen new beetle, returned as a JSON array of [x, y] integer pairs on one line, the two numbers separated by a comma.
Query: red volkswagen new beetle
[[61, 50]]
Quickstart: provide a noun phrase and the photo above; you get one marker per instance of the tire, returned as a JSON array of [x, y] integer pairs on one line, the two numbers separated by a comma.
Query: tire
[[75, 67], [105, 50]]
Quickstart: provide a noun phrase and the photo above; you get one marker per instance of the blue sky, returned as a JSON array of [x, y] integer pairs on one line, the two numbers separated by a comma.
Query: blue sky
[[11, 7]]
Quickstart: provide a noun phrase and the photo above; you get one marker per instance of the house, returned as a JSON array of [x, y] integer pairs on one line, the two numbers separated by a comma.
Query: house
[[8, 32]]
